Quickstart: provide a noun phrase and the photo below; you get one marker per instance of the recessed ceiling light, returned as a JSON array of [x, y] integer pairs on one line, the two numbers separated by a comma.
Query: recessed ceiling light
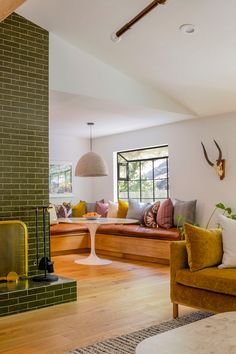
[[187, 28]]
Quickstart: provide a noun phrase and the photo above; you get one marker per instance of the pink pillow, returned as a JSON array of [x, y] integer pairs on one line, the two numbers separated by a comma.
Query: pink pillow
[[102, 208], [150, 215], [165, 214]]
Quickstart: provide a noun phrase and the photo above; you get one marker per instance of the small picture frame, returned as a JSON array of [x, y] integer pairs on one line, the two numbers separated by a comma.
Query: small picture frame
[[60, 179]]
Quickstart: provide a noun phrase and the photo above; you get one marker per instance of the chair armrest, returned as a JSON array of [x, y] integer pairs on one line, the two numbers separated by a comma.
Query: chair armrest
[[178, 255], [178, 258]]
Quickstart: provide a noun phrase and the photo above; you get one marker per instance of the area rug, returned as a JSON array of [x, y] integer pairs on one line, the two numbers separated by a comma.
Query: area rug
[[126, 344]]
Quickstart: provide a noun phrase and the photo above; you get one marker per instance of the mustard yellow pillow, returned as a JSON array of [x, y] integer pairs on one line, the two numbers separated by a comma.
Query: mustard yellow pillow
[[122, 209], [204, 247], [79, 209]]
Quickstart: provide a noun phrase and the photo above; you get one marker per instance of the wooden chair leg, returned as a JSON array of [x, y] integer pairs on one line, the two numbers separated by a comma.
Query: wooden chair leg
[[175, 310]]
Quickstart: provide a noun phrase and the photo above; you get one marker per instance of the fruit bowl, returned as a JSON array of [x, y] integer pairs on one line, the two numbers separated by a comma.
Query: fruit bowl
[[91, 216]]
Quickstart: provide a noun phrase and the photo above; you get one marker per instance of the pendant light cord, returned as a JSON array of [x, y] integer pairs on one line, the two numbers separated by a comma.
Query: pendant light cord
[[90, 124], [91, 141]]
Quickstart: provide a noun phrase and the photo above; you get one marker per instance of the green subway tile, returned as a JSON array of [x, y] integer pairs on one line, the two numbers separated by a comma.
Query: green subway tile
[[4, 311], [62, 292], [17, 308], [69, 297], [36, 304], [54, 300], [28, 298]]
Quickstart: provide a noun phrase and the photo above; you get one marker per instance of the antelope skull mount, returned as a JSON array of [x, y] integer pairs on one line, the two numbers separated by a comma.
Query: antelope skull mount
[[219, 166]]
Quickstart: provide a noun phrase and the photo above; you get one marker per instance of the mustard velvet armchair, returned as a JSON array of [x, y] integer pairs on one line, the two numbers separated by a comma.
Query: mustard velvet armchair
[[210, 289]]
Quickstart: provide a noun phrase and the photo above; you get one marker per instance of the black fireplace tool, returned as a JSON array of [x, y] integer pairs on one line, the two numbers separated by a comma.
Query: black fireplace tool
[[45, 262]]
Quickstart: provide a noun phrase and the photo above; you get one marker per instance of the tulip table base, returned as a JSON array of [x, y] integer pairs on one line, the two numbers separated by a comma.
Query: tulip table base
[[92, 259]]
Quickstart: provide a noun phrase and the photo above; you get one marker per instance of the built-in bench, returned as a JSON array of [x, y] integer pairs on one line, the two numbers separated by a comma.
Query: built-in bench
[[125, 241]]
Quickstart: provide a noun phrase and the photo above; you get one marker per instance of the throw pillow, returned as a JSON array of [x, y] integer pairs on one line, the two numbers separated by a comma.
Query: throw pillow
[[204, 247], [63, 210], [91, 207], [229, 242], [68, 209], [150, 215], [79, 209], [102, 208], [186, 209], [122, 209], [112, 209], [136, 210], [52, 214], [165, 214]]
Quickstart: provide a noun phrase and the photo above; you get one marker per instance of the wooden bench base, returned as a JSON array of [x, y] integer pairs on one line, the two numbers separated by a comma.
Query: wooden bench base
[[151, 250]]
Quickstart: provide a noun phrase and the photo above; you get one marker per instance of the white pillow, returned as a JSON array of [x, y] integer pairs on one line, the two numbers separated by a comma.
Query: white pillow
[[112, 209], [52, 214], [229, 242]]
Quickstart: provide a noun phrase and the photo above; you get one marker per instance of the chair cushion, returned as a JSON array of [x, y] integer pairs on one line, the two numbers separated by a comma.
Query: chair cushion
[[213, 279], [139, 231]]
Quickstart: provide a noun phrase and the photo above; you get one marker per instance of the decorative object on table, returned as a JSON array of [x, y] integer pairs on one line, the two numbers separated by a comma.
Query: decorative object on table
[[60, 179], [228, 226], [91, 216], [116, 36], [165, 214], [127, 343], [91, 164], [204, 247], [185, 209], [219, 166], [45, 264], [150, 215]]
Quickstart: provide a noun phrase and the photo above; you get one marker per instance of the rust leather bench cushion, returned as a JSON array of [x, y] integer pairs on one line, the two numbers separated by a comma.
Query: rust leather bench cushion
[[67, 229], [139, 231], [120, 230]]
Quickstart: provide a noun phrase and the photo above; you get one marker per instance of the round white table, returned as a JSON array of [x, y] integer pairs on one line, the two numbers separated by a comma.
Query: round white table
[[92, 226]]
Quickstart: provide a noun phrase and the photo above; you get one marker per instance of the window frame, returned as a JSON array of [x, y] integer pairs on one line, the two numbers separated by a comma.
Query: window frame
[[140, 180]]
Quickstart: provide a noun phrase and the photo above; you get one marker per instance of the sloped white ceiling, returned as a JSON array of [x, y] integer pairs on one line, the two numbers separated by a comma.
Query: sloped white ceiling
[[196, 73]]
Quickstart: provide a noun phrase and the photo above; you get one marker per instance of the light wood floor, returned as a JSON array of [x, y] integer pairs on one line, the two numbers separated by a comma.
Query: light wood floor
[[112, 300]]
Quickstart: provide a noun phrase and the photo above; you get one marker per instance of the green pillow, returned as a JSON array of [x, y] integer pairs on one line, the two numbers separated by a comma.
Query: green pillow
[[204, 247]]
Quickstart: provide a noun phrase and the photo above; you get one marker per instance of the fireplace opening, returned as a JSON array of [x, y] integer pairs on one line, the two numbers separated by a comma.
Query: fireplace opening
[[13, 250]]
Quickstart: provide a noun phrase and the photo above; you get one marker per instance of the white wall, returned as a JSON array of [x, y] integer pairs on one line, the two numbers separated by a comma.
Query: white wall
[[69, 149], [190, 175]]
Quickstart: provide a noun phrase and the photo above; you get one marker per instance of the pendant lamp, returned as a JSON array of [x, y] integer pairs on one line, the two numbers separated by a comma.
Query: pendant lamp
[[91, 164]]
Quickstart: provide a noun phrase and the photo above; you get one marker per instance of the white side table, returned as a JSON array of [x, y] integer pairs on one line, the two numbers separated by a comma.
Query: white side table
[[92, 226]]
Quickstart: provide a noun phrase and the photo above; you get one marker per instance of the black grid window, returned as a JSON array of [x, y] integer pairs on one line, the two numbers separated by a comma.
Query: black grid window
[[143, 174]]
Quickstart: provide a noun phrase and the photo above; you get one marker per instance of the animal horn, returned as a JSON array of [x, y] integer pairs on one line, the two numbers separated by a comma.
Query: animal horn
[[206, 156], [220, 152]]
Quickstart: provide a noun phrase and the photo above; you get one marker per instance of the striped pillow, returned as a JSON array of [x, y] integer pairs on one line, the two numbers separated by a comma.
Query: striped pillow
[[165, 214], [150, 215]]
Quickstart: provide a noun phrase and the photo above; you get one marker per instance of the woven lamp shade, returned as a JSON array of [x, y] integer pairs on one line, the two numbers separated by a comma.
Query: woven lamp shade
[[91, 165]]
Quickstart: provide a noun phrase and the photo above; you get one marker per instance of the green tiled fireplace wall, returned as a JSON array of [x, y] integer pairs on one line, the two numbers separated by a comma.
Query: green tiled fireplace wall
[[23, 123], [34, 298]]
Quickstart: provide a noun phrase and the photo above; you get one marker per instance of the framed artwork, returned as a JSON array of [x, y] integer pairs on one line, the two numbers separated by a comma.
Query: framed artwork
[[60, 179]]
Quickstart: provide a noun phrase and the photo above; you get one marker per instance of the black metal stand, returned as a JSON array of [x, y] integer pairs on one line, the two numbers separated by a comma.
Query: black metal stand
[[45, 263]]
